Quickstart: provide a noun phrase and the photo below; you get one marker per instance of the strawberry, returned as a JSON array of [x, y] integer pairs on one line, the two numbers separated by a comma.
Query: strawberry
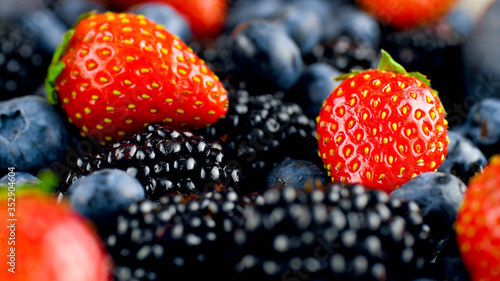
[[48, 241], [115, 73], [477, 225], [206, 18], [382, 127], [403, 14]]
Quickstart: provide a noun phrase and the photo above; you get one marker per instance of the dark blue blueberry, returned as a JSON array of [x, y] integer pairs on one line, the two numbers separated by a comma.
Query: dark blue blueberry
[[304, 26], [482, 126], [46, 29], [323, 8], [165, 15], [32, 134], [267, 54], [315, 85], [102, 194], [21, 178], [462, 155], [299, 174], [460, 21], [438, 195], [68, 11], [481, 56], [247, 10], [359, 26]]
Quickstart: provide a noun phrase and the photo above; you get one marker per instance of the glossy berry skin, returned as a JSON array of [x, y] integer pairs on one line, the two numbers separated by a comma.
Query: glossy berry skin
[[406, 13], [123, 71], [315, 85], [102, 194], [462, 155], [267, 54], [381, 129], [22, 178], [53, 242], [304, 26], [299, 174], [477, 224], [438, 195], [33, 136]]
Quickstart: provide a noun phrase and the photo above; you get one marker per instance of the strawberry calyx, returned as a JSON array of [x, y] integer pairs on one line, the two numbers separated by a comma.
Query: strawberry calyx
[[388, 64], [56, 65]]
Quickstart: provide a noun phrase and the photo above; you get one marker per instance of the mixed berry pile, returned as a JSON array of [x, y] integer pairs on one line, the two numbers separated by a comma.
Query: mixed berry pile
[[249, 140]]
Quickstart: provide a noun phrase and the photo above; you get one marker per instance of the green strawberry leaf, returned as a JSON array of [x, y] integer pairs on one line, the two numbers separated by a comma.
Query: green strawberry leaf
[[420, 77], [56, 67], [347, 75], [387, 63]]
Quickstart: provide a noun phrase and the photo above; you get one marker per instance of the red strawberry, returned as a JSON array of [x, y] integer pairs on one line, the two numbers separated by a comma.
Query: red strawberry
[[49, 242], [114, 73], [478, 224], [406, 13], [382, 127], [206, 17]]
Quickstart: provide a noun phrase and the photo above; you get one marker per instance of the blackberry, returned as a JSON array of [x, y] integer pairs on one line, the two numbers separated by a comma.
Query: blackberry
[[164, 160], [344, 54], [260, 131], [21, 60], [339, 232], [178, 235]]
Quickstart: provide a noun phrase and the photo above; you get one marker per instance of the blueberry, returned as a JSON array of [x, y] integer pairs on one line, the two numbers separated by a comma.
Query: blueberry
[[304, 26], [438, 196], [315, 85], [68, 11], [46, 29], [267, 54], [481, 56], [355, 24], [32, 134], [462, 155], [165, 15], [299, 174], [21, 178], [323, 8], [482, 126], [248, 10], [102, 194]]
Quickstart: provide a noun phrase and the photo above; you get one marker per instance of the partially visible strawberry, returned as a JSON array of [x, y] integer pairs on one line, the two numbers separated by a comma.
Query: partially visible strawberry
[[382, 127], [115, 73], [206, 17], [406, 13], [478, 224], [48, 242]]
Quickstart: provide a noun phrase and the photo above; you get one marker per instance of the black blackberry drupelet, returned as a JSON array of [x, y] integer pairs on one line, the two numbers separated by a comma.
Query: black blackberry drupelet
[[186, 236], [164, 160], [260, 131], [339, 233], [344, 54]]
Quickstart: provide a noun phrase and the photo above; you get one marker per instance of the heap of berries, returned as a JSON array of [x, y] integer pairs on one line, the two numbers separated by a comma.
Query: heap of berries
[[248, 140]]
